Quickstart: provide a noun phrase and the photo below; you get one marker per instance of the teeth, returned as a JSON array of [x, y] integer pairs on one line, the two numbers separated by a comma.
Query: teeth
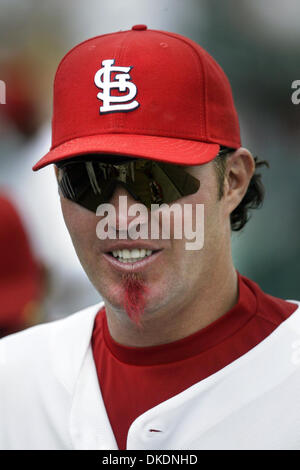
[[131, 256]]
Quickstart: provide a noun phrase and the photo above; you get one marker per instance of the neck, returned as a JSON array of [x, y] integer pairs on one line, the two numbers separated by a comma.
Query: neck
[[216, 295]]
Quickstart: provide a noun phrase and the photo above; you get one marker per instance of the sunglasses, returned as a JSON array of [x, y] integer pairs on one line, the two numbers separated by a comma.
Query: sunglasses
[[91, 182]]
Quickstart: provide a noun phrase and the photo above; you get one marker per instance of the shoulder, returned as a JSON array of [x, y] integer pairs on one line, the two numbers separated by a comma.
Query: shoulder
[[46, 345], [272, 310]]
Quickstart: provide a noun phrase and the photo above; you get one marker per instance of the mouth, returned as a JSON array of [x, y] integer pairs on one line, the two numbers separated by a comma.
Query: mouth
[[131, 259], [131, 256]]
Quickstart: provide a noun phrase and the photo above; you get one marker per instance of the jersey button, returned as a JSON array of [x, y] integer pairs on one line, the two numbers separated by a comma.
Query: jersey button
[[139, 27]]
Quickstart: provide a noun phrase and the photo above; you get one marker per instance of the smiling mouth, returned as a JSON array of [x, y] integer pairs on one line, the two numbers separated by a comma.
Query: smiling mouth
[[132, 256]]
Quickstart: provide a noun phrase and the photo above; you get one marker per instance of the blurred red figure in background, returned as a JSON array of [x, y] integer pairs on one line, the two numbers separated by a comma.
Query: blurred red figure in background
[[21, 275], [23, 106]]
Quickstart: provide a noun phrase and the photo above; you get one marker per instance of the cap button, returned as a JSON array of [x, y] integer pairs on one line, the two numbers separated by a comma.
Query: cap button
[[139, 27]]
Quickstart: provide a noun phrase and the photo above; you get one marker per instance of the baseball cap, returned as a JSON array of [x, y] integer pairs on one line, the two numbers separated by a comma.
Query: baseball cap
[[141, 93], [20, 272]]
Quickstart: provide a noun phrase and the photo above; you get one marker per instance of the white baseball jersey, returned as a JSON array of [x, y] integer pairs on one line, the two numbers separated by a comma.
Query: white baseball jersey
[[50, 397]]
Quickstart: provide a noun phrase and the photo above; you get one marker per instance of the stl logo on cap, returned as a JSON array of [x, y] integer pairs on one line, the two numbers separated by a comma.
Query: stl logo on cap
[[122, 82]]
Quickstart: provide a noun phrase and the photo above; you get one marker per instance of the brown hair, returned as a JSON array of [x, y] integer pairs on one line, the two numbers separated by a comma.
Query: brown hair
[[254, 196]]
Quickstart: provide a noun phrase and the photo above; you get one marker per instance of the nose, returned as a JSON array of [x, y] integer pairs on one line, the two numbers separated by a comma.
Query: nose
[[122, 200]]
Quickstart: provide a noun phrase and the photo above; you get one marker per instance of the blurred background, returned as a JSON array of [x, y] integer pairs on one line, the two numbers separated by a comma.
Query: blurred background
[[256, 43]]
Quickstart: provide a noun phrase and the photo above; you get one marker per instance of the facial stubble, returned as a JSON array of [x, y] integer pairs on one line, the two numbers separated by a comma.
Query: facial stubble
[[134, 300]]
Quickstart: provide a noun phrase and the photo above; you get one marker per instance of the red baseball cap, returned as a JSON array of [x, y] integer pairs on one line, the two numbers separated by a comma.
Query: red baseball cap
[[141, 93]]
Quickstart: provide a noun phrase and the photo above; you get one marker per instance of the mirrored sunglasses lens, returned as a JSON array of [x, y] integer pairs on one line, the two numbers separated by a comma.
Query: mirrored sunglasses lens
[[92, 183]]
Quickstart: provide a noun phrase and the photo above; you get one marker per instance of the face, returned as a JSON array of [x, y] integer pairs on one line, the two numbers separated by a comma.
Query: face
[[173, 276]]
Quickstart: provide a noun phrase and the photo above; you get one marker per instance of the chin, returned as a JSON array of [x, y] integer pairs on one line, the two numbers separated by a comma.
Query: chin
[[122, 295]]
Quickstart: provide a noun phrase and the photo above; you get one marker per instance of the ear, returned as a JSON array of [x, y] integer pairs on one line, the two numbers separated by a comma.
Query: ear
[[240, 167], [56, 171]]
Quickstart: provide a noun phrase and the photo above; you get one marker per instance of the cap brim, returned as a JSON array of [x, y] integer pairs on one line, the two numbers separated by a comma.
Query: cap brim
[[165, 149]]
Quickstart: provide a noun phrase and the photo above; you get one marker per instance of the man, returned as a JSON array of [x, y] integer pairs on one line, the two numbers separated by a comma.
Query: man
[[184, 353]]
